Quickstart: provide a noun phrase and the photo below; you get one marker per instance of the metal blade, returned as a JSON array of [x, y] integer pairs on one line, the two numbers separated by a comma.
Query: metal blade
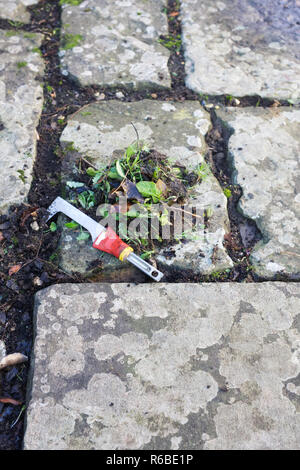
[[60, 205], [145, 267]]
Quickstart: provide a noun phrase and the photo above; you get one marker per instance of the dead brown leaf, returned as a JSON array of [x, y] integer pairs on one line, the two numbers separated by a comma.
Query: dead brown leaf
[[11, 401], [162, 187], [14, 269], [27, 213], [131, 190]]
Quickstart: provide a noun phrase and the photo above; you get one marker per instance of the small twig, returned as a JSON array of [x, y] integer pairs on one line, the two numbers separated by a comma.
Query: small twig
[[18, 417], [289, 253], [137, 135], [59, 269], [89, 163], [88, 104], [182, 210], [120, 185], [36, 256], [59, 109]]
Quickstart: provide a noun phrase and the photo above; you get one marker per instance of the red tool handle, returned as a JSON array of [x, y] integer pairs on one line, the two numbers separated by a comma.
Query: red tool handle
[[111, 243]]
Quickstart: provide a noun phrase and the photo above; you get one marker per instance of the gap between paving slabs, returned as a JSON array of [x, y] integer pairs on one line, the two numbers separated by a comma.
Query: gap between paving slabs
[[63, 97]]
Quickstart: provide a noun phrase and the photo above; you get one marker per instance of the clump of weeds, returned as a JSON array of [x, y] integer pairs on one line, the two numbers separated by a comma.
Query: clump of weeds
[[142, 185]]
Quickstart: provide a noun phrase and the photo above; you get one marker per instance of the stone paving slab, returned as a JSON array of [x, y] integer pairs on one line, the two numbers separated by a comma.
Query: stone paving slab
[[115, 43], [264, 150], [165, 366], [242, 48], [103, 131], [21, 101], [16, 10]]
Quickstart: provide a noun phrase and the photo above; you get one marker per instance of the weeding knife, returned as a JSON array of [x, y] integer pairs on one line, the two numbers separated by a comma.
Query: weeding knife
[[104, 239]]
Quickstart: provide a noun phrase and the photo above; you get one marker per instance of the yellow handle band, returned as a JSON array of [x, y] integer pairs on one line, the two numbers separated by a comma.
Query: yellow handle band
[[125, 253]]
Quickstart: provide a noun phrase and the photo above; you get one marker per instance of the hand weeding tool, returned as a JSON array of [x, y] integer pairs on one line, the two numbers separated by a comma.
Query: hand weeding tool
[[104, 239]]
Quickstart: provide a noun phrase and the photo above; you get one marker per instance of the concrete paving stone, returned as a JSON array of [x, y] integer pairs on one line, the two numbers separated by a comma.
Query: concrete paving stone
[[242, 48], [165, 366], [115, 43], [264, 150], [102, 132], [21, 101], [16, 10]]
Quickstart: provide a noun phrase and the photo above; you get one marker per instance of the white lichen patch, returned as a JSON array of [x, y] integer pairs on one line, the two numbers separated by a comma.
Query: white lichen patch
[[78, 309], [132, 344], [115, 43], [68, 359], [59, 423], [20, 107]]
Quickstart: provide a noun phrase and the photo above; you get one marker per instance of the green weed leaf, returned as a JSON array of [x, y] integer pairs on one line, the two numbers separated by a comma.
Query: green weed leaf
[[149, 189], [71, 225], [119, 169]]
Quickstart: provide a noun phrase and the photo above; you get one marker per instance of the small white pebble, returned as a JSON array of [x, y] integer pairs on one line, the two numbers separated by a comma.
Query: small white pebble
[[37, 281], [12, 360], [35, 226], [119, 95]]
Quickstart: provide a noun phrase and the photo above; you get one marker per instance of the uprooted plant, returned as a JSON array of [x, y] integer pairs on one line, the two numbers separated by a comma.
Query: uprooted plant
[[137, 190]]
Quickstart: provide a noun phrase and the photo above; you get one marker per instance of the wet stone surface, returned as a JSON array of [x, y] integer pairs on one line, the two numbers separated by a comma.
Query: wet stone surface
[[103, 131], [16, 10], [115, 43], [165, 366], [264, 151], [242, 48], [21, 101]]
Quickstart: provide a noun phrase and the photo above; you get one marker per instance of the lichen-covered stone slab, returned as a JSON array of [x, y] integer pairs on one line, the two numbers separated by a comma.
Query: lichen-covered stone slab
[[242, 48], [103, 131], [264, 149], [21, 101], [16, 10], [115, 43], [165, 366]]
